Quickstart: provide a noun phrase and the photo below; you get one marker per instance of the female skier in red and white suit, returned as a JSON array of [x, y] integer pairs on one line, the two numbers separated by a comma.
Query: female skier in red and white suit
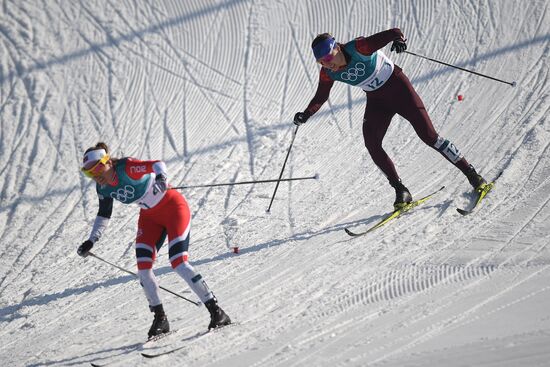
[[163, 212]]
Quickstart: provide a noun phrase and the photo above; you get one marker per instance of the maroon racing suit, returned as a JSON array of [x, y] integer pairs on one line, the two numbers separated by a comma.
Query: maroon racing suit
[[395, 96]]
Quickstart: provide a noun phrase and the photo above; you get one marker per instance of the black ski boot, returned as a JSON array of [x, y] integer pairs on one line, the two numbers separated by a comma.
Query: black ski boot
[[160, 323], [474, 178], [218, 318], [402, 195]]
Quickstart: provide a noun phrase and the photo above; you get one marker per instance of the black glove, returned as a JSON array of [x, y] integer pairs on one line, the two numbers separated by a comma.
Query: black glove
[[301, 118], [399, 46], [85, 248], [160, 184]]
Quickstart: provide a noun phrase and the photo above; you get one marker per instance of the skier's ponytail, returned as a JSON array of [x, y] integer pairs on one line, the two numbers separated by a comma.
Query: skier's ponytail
[[99, 145]]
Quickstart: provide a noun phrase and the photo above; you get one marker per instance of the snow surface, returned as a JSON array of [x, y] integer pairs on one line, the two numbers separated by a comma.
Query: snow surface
[[211, 88]]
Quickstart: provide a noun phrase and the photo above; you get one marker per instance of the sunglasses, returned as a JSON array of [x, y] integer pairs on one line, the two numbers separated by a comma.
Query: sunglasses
[[327, 58], [98, 168]]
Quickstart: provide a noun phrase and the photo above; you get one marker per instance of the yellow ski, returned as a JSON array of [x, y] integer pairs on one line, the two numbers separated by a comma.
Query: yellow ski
[[395, 214], [481, 192]]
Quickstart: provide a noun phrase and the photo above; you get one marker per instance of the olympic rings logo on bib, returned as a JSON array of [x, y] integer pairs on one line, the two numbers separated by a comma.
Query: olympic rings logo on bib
[[124, 194], [354, 73]]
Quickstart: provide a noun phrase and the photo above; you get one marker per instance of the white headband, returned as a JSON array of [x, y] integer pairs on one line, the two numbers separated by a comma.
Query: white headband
[[93, 156]]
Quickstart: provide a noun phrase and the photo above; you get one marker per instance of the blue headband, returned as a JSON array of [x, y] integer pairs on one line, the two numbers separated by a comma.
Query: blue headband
[[324, 47]]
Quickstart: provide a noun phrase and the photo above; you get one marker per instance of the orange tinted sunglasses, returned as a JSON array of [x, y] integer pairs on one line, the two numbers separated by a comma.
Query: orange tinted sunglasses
[[98, 168]]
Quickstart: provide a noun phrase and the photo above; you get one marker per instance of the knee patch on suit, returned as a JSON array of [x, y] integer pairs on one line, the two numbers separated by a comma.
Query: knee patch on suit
[[145, 256]]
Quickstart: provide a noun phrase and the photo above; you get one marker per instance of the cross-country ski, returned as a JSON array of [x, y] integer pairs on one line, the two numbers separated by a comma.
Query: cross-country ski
[[394, 215], [480, 193]]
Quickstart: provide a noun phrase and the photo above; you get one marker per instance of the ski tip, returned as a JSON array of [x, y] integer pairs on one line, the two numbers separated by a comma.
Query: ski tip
[[463, 212], [316, 176], [148, 355], [350, 232]]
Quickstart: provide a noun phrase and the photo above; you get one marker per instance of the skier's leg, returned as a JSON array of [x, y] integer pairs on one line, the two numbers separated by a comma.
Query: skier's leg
[[178, 253], [178, 226], [412, 108], [375, 125], [150, 237]]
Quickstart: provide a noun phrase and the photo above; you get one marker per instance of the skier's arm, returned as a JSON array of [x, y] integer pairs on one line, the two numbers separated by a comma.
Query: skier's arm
[[102, 218], [100, 225], [321, 96], [371, 44], [322, 93]]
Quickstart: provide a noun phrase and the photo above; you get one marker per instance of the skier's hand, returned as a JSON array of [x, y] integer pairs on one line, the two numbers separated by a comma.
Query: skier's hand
[[399, 45], [160, 184], [85, 248], [301, 118]]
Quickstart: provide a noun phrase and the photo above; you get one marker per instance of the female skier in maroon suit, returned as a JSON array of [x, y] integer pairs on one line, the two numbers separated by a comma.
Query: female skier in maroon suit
[[361, 63]]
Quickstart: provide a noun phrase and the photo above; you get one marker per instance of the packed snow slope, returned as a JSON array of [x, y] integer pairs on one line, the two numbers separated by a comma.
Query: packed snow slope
[[211, 88]]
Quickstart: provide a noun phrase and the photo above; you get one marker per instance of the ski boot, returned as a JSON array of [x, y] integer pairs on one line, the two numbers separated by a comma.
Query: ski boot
[[218, 318], [160, 323], [402, 195], [475, 179]]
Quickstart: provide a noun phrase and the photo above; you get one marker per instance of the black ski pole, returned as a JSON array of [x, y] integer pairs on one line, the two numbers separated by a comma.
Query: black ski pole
[[282, 170], [513, 84], [245, 182], [135, 275]]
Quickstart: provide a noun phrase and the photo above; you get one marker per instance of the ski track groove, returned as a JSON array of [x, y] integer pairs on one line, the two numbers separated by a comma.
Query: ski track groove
[[24, 184], [500, 268], [542, 17], [110, 93], [413, 287], [246, 84], [25, 265], [528, 221], [202, 89], [392, 290], [170, 136], [184, 121], [229, 191], [87, 301], [406, 280], [444, 325], [58, 229], [282, 102]]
